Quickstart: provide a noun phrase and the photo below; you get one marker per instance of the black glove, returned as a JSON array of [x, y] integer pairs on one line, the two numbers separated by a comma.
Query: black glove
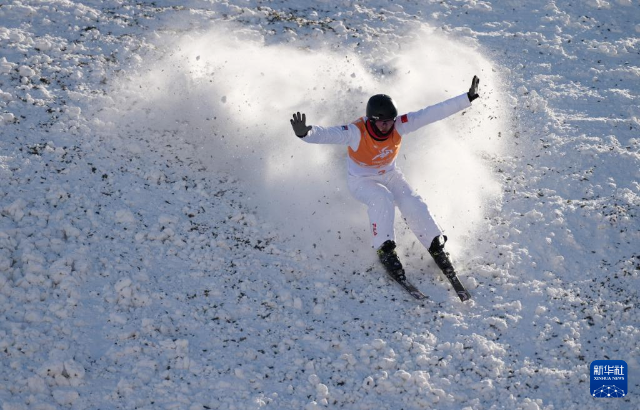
[[473, 91], [299, 124]]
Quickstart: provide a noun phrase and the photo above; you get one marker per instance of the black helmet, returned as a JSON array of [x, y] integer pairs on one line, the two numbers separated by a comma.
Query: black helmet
[[381, 107]]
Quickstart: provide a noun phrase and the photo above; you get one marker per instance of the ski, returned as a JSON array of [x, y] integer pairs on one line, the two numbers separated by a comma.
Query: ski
[[458, 287], [408, 286], [443, 261]]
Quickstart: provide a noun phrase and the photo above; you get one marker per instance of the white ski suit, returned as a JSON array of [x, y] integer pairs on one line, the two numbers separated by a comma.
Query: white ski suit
[[373, 176]]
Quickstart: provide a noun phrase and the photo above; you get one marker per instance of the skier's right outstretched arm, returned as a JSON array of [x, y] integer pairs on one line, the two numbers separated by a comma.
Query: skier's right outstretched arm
[[342, 135]]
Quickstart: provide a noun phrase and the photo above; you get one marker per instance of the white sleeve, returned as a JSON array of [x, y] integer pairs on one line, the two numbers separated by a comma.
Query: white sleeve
[[412, 121], [342, 135]]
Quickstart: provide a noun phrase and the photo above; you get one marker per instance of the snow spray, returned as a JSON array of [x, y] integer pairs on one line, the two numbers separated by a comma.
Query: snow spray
[[231, 95]]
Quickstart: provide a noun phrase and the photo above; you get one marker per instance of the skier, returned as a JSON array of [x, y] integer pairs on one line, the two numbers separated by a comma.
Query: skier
[[373, 143]]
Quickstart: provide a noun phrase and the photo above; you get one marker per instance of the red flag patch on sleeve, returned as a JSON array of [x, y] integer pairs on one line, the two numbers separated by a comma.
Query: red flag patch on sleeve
[[345, 127], [404, 118]]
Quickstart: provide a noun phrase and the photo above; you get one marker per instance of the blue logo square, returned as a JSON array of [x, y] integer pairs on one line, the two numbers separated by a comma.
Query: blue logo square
[[609, 378]]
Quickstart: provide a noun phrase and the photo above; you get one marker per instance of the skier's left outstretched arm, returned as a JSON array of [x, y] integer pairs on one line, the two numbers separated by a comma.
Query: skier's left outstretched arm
[[414, 120]]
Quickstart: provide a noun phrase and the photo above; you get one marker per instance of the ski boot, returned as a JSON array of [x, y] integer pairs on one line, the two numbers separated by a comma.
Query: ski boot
[[442, 257], [443, 260], [389, 259]]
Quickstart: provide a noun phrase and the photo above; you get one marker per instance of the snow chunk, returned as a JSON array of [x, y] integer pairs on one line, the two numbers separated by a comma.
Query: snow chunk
[[65, 397], [5, 265], [478, 6], [496, 322], [116, 318], [529, 404], [534, 215], [42, 44], [536, 103], [378, 344], [25, 71], [130, 294], [387, 363], [33, 317], [297, 303], [322, 390], [16, 209], [56, 194], [5, 96], [124, 216], [483, 385], [600, 4], [74, 371], [37, 385], [7, 118], [5, 66], [403, 375], [59, 271], [71, 231], [312, 406], [515, 306], [608, 49], [63, 374], [16, 37], [73, 112]]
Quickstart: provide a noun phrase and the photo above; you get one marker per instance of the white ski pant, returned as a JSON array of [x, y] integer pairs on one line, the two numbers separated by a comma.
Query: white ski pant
[[381, 194]]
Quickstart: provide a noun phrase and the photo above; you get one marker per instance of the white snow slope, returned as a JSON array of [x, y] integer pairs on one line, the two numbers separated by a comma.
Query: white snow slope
[[166, 242]]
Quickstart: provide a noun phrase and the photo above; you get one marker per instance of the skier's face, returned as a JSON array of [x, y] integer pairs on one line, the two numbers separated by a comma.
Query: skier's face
[[385, 126]]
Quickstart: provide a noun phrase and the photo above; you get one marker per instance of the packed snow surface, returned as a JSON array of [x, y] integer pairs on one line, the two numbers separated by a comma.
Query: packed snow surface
[[166, 242]]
